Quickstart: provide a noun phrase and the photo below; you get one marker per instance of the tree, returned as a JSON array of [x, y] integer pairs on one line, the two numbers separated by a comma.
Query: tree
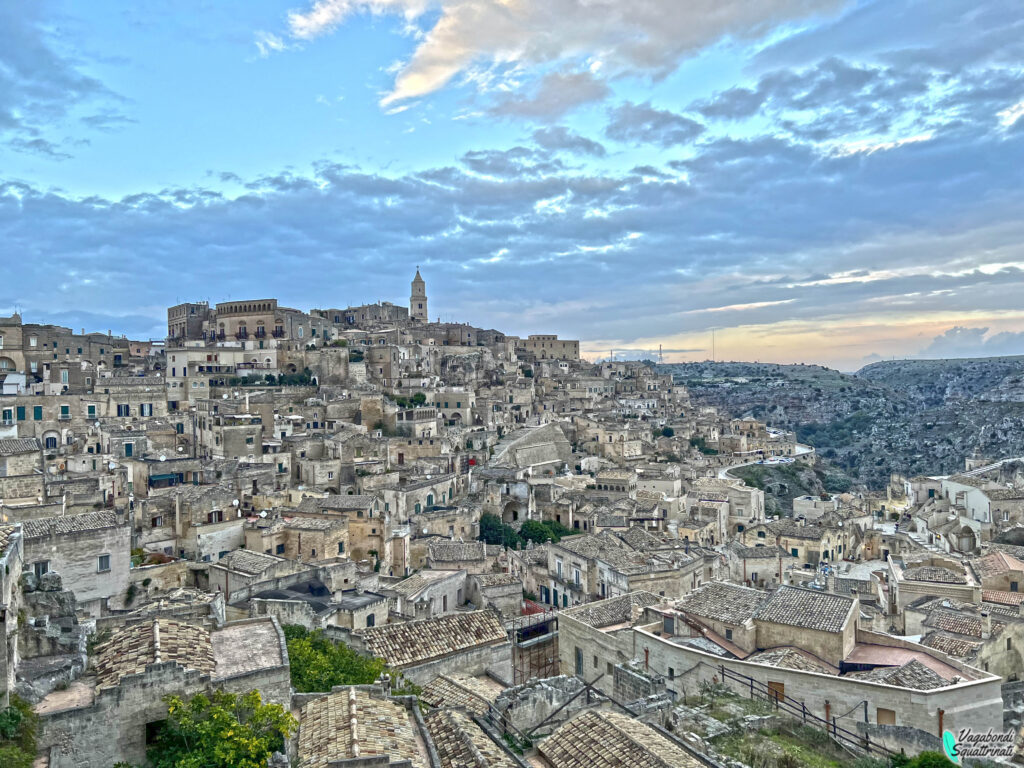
[[668, 432], [319, 664], [493, 531], [536, 531], [223, 730], [419, 398]]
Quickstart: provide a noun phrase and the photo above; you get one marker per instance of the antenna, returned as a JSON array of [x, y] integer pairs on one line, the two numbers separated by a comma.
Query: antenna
[[661, 357], [712, 345]]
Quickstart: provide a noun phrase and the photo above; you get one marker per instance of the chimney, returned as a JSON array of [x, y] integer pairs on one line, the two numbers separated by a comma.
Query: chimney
[[635, 612], [986, 625]]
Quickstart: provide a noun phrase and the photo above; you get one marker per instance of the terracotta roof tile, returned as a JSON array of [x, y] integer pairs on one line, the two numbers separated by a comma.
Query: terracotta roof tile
[[415, 642]]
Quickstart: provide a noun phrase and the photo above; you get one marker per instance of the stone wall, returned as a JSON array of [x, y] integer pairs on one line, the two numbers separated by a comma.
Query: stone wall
[[632, 682]]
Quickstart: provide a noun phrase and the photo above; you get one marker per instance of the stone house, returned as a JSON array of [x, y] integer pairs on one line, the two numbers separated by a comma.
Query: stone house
[[11, 559], [112, 714], [306, 539], [427, 594], [91, 551], [21, 477], [472, 643]]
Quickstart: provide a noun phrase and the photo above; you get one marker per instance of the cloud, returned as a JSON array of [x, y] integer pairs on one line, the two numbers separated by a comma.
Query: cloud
[[962, 341], [559, 138], [647, 39], [642, 123], [40, 84], [555, 94]]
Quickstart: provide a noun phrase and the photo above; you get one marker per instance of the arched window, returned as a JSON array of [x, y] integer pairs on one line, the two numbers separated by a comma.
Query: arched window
[[430, 499]]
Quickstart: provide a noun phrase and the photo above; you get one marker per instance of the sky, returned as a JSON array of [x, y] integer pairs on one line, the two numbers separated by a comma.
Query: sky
[[809, 181]]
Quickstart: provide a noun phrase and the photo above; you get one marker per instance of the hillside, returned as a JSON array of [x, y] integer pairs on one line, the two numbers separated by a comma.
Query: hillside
[[907, 416]]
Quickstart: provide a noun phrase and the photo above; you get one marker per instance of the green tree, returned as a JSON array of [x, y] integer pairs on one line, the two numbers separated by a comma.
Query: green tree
[[493, 531], [536, 531], [319, 664], [222, 730], [419, 398], [668, 432]]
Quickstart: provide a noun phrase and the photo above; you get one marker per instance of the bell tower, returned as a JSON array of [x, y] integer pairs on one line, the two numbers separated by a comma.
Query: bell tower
[[418, 299]]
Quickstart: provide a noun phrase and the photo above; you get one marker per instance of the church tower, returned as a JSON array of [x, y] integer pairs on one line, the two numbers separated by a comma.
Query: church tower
[[418, 299]]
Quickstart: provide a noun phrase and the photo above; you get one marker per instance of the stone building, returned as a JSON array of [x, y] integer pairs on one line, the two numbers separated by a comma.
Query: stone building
[[418, 300], [91, 551], [112, 714]]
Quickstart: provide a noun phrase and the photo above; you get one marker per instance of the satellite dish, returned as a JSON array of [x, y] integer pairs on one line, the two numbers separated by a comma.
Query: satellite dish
[[162, 457], [235, 502], [263, 513], [111, 466]]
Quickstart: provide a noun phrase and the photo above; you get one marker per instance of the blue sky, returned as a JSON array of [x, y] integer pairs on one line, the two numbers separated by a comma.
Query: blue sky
[[818, 181]]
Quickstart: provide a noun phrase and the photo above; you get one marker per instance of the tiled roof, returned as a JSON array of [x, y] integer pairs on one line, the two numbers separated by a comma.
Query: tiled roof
[[18, 445], [995, 564], [611, 740], [461, 743], [6, 531], [350, 723], [951, 644], [449, 551], [496, 579], [721, 601], [415, 642], [249, 561], [88, 521], [959, 623], [613, 610], [806, 608], [135, 646], [934, 573], [913, 674], [346, 502], [793, 658], [462, 692], [993, 596]]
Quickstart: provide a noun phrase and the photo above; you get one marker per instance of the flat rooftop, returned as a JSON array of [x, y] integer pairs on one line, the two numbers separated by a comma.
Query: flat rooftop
[[244, 647]]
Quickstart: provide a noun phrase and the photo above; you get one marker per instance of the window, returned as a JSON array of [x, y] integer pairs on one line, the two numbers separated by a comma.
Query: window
[[728, 634], [579, 662], [795, 552], [21, 412], [215, 516], [37, 413], [156, 522], [123, 409], [370, 620], [341, 547], [33, 341], [595, 662], [103, 563], [1009, 644], [63, 375], [65, 412], [280, 549], [91, 411], [671, 673], [145, 409], [41, 567]]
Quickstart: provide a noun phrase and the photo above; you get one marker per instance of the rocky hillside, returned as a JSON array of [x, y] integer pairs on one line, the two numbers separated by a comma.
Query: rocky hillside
[[907, 416]]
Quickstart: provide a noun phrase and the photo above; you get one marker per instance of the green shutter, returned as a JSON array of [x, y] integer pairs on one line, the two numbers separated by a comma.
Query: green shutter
[[21, 413], [37, 412]]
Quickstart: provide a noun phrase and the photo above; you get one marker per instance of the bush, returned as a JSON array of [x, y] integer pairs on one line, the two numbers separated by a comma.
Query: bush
[[222, 730], [18, 724], [319, 664], [668, 432]]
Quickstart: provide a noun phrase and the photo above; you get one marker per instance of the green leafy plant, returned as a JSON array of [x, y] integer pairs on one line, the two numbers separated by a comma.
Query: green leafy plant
[[318, 664], [223, 730]]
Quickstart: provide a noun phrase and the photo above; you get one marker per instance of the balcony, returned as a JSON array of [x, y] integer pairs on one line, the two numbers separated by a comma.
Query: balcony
[[7, 422], [277, 333], [261, 333], [64, 417], [220, 336], [242, 334]]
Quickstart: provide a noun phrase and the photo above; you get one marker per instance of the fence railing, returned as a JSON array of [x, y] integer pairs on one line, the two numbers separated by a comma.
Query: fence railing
[[851, 739]]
